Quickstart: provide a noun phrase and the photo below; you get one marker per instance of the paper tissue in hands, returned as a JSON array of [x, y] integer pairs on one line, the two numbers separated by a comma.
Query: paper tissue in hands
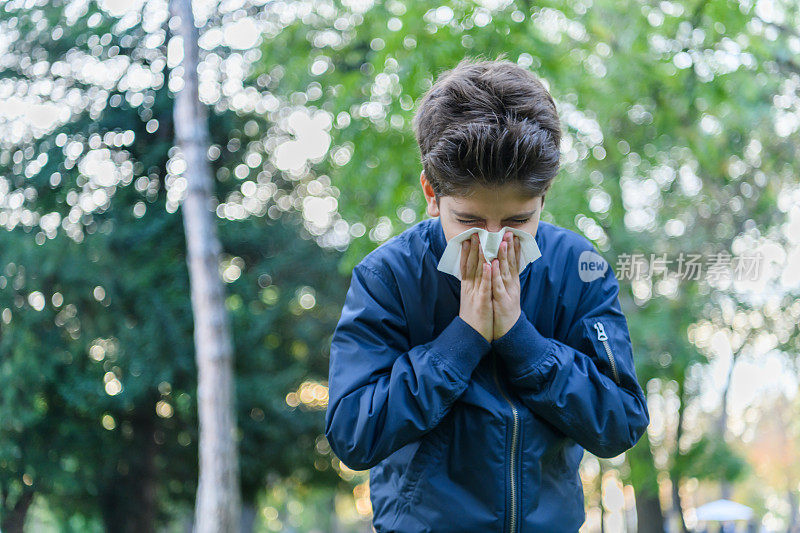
[[450, 263]]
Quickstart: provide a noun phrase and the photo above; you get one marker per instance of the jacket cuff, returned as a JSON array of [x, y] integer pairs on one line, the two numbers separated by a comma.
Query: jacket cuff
[[522, 347], [460, 347]]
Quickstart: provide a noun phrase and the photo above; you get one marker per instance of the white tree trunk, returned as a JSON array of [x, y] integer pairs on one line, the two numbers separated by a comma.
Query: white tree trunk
[[217, 505]]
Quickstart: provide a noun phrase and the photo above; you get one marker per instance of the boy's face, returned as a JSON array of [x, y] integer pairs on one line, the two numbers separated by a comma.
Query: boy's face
[[487, 208]]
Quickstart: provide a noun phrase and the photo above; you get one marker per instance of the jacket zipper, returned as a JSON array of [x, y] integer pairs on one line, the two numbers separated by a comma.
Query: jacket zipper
[[602, 337], [512, 461]]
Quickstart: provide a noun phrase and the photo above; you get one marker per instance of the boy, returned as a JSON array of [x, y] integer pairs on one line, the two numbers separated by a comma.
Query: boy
[[472, 399]]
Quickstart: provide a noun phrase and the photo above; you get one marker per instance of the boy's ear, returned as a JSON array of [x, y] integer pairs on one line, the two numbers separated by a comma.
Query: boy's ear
[[431, 200]]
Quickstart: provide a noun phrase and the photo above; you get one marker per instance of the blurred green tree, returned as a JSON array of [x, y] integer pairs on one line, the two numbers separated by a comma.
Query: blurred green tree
[[99, 405]]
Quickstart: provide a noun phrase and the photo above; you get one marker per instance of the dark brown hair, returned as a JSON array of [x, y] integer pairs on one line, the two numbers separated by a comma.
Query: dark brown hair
[[488, 123]]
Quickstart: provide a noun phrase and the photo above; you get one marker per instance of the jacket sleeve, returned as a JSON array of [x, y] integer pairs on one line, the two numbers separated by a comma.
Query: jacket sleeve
[[586, 386], [383, 393]]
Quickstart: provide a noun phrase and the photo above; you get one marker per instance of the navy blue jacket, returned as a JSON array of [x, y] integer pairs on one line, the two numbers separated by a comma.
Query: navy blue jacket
[[466, 435]]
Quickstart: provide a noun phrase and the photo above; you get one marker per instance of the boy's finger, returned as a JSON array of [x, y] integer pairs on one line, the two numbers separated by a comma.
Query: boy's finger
[[479, 248], [517, 253], [486, 279], [464, 256], [478, 257], [471, 258], [498, 287], [513, 263], [504, 261]]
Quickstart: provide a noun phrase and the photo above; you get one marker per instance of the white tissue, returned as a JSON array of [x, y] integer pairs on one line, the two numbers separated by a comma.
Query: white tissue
[[450, 263]]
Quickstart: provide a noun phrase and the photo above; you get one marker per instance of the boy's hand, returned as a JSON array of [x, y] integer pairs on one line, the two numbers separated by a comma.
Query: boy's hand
[[505, 286], [476, 288]]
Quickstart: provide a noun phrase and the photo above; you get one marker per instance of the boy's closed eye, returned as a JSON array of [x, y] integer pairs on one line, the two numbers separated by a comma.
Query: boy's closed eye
[[515, 221]]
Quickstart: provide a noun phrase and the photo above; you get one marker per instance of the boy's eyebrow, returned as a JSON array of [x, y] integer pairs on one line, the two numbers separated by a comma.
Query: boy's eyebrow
[[470, 215]]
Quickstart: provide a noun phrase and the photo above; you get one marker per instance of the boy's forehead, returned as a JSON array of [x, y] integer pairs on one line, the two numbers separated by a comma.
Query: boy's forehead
[[486, 201]]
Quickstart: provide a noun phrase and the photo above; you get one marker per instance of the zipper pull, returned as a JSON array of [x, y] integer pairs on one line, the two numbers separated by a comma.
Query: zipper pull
[[601, 332]]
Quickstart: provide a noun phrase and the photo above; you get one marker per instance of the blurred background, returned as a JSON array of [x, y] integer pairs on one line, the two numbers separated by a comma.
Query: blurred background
[[681, 137]]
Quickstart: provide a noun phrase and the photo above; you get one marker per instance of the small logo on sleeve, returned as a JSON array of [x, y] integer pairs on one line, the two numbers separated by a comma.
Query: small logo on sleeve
[[591, 266]]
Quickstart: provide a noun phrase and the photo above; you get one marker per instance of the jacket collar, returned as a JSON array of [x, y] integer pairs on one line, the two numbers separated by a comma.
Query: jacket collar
[[438, 242], [437, 239]]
